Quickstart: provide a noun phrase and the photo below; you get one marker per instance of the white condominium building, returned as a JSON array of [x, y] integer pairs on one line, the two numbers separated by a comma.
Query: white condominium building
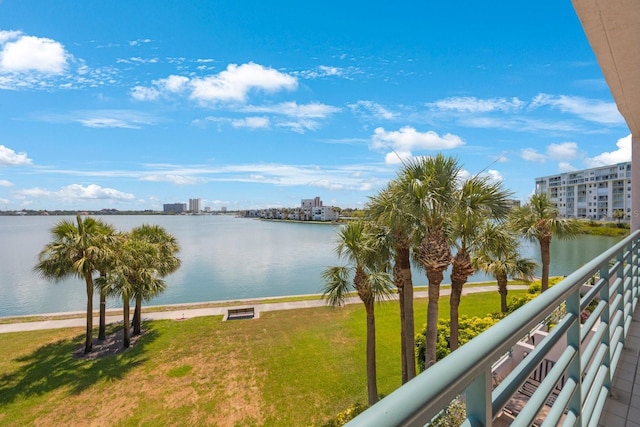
[[195, 206], [591, 193]]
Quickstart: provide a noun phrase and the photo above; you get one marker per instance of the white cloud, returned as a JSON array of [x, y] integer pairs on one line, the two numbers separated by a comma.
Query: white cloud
[[234, 84], [532, 155], [251, 122], [562, 151], [494, 175], [300, 126], [9, 35], [29, 53], [475, 105], [142, 93], [5, 183], [139, 42], [326, 71], [588, 109], [397, 157], [304, 116], [622, 154], [408, 139], [172, 178], [566, 167], [124, 119], [107, 122], [312, 110], [378, 111], [78, 192], [231, 85], [8, 157], [172, 83]]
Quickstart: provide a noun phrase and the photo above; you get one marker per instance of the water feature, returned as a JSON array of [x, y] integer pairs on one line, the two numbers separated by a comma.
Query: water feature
[[223, 258]]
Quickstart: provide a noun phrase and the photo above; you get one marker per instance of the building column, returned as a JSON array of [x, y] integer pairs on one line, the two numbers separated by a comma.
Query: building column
[[635, 182]]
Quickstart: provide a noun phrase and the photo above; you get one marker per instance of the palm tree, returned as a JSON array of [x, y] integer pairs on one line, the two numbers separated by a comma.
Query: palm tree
[[538, 221], [429, 184], [103, 270], [618, 215], [370, 281], [388, 210], [76, 250], [160, 261], [138, 263], [124, 275], [477, 200], [498, 256]]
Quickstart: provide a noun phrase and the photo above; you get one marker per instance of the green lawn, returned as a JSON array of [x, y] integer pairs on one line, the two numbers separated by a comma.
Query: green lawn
[[296, 367]]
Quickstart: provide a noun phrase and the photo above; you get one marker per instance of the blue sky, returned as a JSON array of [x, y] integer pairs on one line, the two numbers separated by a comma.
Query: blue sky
[[248, 104]]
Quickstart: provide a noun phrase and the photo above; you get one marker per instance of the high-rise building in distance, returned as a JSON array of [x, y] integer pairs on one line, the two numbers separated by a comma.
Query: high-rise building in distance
[[590, 193]]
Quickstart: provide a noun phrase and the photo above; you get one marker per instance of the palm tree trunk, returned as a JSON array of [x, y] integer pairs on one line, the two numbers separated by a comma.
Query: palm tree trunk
[[454, 321], [502, 289], [545, 255], [403, 337], [435, 256], [103, 316], [372, 385], [399, 282], [137, 317], [407, 325], [409, 330], [432, 319], [88, 342], [460, 271], [126, 331]]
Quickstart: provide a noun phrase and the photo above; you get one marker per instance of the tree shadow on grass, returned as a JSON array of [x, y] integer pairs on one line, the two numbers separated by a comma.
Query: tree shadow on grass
[[54, 366]]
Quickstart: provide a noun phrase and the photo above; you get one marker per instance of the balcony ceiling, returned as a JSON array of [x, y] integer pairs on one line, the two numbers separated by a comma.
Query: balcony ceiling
[[613, 30]]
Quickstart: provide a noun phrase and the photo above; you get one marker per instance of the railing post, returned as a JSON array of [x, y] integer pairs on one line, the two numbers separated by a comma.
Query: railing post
[[574, 340], [605, 318], [478, 399], [635, 270], [621, 291]]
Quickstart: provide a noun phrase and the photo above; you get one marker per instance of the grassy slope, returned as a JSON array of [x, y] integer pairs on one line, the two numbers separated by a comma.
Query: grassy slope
[[297, 367]]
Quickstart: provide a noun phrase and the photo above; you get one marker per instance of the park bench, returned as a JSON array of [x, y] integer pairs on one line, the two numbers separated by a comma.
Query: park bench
[[240, 313]]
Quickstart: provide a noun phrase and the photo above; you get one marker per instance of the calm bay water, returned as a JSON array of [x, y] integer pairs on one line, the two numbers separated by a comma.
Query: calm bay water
[[223, 258]]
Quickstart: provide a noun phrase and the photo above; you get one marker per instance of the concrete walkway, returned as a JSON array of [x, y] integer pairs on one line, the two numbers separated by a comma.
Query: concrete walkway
[[184, 312]]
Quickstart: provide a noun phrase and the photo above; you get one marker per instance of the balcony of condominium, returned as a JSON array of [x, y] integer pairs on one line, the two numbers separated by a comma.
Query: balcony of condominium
[[584, 370]]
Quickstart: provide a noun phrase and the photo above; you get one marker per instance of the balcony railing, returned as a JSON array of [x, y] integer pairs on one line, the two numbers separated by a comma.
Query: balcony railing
[[578, 382]]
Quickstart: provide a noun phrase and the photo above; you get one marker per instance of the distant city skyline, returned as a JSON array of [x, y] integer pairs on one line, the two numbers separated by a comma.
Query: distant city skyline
[[131, 105]]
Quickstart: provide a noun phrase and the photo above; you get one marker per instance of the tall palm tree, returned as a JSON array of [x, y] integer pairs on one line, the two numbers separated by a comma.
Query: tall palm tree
[[537, 221], [478, 200], [429, 184], [357, 247], [77, 249], [498, 256], [161, 260], [388, 210], [138, 263], [103, 269], [125, 274]]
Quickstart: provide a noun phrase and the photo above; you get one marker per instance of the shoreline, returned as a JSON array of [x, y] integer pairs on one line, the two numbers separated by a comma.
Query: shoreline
[[187, 313], [214, 308]]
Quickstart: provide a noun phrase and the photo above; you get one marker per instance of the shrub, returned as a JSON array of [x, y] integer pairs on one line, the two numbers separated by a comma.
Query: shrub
[[453, 416], [469, 327], [517, 302], [345, 416]]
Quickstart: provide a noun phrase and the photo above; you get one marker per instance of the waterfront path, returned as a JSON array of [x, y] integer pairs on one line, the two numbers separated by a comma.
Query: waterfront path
[[183, 311]]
